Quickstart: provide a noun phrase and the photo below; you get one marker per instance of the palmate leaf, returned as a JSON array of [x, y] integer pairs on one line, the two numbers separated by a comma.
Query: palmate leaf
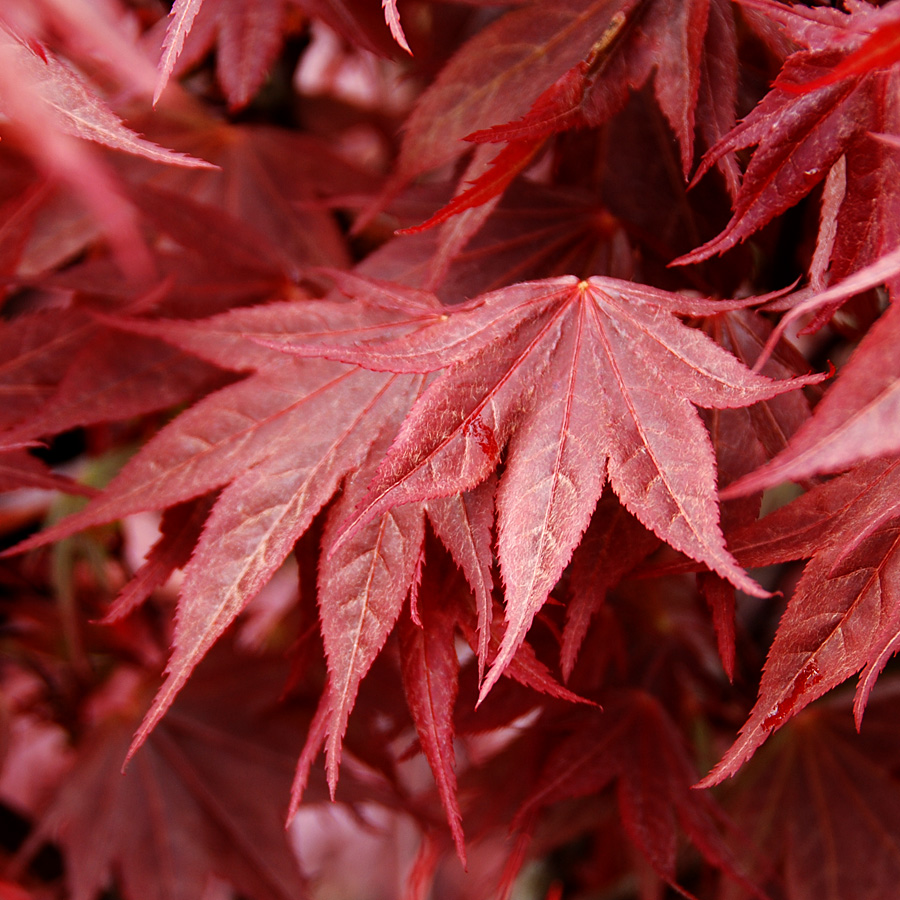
[[820, 805], [578, 381], [634, 745], [276, 446], [804, 126], [204, 798], [687, 47]]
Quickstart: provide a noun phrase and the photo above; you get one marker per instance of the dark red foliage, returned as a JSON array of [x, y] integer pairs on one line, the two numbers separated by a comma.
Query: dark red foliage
[[421, 382]]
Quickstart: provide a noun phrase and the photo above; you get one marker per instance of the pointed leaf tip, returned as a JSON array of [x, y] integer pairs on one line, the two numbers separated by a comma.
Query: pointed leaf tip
[[392, 17]]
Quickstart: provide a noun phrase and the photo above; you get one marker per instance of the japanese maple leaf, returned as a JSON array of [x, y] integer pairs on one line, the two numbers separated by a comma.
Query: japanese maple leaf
[[275, 446], [689, 46], [579, 381], [202, 799], [634, 745], [817, 801], [362, 586], [844, 615], [803, 127]]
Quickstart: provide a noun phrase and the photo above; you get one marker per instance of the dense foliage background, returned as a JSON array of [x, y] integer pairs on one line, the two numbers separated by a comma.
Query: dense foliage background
[[500, 397]]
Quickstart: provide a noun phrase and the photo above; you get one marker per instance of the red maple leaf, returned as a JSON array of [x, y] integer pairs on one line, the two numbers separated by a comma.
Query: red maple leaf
[[818, 799], [805, 125], [180, 812], [689, 46], [845, 613], [535, 369], [231, 440]]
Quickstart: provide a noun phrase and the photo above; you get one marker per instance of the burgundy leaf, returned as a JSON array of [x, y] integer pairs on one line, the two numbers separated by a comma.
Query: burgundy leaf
[[844, 615]]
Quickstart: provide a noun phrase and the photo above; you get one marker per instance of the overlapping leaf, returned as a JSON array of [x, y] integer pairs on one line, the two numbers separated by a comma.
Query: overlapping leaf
[[634, 745], [845, 613], [274, 443], [820, 806], [571, 378], [803, 127], [689, 46], [202, 799], [858, 419]]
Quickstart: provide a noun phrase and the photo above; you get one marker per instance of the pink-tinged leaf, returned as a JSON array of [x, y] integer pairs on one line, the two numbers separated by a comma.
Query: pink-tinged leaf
[[78, 111], [392, 17], [464, 523], [181, 18], [549, 361], [884, 269], [229, 432], [843, 617], [94, 32], [859, 418], [44, 132], [258, 519], [430, 669], [315, 738]]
